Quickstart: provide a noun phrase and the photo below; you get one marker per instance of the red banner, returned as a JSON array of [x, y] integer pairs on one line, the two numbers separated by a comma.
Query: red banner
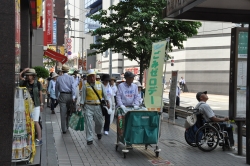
[[49, 21], [55, 56]]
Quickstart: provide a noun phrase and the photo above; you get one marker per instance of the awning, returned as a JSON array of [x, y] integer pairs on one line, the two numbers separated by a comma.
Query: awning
[[55, 56]]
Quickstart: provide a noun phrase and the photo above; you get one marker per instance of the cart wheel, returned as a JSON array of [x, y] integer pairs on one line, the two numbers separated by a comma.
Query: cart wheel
[[124, 155], [146, 147], [157, 154], [116, 147]]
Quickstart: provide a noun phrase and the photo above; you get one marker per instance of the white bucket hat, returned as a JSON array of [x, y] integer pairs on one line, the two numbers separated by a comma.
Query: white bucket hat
[[90, 72], [54, 75]]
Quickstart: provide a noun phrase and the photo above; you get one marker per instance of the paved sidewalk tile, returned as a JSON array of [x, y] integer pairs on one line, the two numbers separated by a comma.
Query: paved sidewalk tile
[[72, 149]]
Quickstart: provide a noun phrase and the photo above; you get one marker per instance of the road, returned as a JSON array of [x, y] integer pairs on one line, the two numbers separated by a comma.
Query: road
[[219, 103]]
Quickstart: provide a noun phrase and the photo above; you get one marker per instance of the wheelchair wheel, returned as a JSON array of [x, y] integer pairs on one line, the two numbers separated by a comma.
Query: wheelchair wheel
[[187, 140], [207, 138]]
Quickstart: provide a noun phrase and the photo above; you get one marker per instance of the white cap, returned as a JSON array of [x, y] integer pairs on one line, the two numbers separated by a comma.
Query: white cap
[[98, 76], [90, 72], [138, 83]]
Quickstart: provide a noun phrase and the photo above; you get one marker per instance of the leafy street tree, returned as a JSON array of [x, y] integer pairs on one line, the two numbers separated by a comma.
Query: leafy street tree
[[134, 25]]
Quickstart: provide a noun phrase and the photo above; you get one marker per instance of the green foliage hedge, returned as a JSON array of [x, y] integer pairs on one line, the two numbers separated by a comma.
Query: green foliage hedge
[[41, 72]]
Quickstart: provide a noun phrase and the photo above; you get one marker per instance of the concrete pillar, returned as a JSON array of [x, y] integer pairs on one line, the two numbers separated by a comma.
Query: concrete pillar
[[7, 83], [25, 34]]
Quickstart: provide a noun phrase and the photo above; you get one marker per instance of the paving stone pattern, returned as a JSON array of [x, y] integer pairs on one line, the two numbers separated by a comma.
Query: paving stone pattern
[[71, 149]]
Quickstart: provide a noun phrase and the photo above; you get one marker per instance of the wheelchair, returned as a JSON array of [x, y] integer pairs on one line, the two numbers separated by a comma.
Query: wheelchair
[[207, 135]]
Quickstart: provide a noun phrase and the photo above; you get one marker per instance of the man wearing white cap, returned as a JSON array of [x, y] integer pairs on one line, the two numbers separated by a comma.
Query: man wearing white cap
[[65, 85], [91, 106]]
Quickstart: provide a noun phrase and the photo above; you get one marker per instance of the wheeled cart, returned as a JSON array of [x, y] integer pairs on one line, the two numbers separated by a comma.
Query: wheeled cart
[[137, 127]]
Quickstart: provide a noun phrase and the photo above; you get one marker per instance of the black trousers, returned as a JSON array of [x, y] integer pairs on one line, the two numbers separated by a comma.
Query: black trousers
[[229, 130], [54, 103], [107, 122]]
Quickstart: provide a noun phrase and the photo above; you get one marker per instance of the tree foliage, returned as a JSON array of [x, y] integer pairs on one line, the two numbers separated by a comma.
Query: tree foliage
[[41, 72], [134, 25]]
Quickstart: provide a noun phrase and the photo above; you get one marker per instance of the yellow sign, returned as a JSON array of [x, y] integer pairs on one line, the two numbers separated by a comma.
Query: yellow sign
[[154, 88], [39, 9]]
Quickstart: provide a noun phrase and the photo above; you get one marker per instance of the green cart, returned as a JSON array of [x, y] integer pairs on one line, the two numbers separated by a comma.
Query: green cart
[[137, 127]]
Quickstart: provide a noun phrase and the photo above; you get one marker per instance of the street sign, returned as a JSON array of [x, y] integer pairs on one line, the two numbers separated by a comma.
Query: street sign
[[69, 52]]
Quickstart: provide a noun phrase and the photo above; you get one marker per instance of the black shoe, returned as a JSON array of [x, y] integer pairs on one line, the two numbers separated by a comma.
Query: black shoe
[[89, 142], [64, 132], [99, 136], [52, 112]]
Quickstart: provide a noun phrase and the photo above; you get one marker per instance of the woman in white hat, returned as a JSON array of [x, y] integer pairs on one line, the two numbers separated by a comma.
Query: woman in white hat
[[52, 92]]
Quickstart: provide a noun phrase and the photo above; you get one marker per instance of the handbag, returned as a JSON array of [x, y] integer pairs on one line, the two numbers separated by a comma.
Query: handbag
[[76, 121], [191, 119], [102, 103]]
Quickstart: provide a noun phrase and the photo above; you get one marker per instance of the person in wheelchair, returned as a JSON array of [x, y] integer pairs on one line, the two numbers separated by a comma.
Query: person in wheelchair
[[209, 116]]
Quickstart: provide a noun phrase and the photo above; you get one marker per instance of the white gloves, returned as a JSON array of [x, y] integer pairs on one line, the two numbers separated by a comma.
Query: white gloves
[[123, 107], [136, 107]]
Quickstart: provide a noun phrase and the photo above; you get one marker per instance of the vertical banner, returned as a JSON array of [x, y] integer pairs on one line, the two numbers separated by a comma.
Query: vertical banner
[[153, 93], [49, 21], [17, 41], [54, 32], [39, 9], [172, 96]]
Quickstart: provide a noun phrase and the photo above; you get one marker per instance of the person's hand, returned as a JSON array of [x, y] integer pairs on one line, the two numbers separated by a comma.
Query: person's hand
[[136, 107], [41, 108], [226, 119], [108, 105], [123, 107]]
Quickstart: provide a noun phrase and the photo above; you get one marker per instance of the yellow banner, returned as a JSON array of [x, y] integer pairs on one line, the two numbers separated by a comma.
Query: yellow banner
[[154, 88], [39, 9]]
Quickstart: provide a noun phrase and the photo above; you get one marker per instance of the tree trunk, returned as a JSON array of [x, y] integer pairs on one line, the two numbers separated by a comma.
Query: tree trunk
[[141, 71]]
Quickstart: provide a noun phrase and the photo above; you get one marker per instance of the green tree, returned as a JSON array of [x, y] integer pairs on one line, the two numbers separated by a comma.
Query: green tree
[[134, 25], [41, 72]]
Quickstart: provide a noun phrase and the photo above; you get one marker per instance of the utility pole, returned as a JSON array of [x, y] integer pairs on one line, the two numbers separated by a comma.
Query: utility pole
[[110, 50]]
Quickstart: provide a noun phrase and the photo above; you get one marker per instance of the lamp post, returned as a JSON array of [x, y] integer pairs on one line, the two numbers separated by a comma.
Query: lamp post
[[61, 18], [82, 46]]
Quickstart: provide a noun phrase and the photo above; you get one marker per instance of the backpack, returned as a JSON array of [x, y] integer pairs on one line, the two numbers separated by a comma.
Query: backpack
[[196, 123]]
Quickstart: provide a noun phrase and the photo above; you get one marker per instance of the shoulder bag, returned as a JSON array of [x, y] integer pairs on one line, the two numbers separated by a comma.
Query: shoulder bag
[[102, 103]]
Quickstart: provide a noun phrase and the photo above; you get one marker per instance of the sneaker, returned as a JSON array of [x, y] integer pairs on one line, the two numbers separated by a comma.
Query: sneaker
[[106, 132], [39, 143]]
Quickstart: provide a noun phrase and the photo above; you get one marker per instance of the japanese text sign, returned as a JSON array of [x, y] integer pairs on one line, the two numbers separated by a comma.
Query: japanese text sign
[[154, 88]]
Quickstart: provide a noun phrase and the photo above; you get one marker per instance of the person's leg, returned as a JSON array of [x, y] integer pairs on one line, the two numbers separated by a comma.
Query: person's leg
[[229, 130], [177, 103], [35, 117], [48, 100], [88, 117], [63, 111], [52, 107], [99, 120], [107, 123]]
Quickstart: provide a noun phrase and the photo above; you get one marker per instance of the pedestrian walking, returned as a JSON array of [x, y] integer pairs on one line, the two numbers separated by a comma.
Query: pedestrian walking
[[52, 92], [182, 83], [127, 93], [98, 78], [140, 93], [35, 89], [91, 106], [177, 101], [114, 87], [110, 98], [48, 95], [66, 87]]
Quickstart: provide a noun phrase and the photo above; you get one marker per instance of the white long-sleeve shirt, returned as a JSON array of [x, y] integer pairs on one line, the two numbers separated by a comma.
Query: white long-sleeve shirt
[[127, 95]]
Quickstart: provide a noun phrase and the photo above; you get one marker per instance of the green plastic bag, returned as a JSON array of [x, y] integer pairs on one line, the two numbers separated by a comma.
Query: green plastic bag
[[76, 121]]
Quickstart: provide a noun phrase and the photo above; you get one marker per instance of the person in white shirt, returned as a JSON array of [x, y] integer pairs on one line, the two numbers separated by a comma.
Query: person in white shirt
[[113, 86], [110, 98], [182, 83]]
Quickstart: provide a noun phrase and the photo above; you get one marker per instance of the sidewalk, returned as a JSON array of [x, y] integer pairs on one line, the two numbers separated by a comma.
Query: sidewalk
[[71, 149]]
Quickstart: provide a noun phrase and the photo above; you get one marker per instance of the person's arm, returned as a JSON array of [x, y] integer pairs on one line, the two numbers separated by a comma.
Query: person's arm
[[57, 89], [118, 96], [83, 95], [40, 96], [21, 73], [73, 88], [104, 95], [136, 97], [49, 88], [215, 119]]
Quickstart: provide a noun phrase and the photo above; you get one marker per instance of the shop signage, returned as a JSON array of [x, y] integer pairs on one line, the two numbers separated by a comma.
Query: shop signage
[[54, 31], [153, 93], [49, 21]]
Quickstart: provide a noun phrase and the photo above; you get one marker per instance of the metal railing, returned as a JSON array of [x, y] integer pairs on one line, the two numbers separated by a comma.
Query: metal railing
[[183, 112]]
